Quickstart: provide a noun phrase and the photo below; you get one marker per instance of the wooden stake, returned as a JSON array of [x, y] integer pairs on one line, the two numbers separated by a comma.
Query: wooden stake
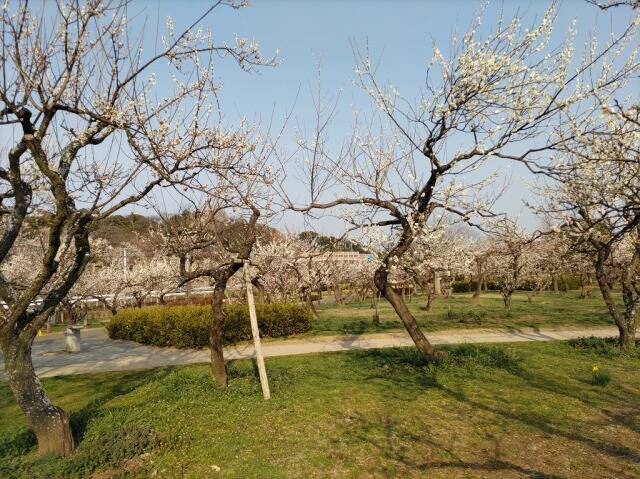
[[264, 381]]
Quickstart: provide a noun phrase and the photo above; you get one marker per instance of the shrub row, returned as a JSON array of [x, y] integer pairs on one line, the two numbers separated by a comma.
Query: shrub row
[[188, 326]]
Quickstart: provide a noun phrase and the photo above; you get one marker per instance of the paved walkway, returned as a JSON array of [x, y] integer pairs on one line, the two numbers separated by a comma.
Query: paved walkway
[[99, 353]]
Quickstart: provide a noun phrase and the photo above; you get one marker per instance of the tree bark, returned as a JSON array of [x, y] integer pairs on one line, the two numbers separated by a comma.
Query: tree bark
[[161, 298], [627, 336], [429, 301], [337, 292], [49, 423], [506, 298], [218, 369], [478, 289], [375, 299], [409, 321], [625, 322], [585, 286], [260, 292], [139, 301], [309, 300], [479, 279]]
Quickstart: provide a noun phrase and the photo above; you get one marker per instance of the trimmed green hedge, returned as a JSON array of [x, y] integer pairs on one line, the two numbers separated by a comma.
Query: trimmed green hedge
[[188, 326]]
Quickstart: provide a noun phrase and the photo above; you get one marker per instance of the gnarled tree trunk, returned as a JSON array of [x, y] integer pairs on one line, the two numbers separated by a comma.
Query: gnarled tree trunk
[[585, 286], [337, 293], [308, 298], [625, 321], [381, 279], [49, 423], [506, 298], [216, 328], [260, 291], [429, 302]]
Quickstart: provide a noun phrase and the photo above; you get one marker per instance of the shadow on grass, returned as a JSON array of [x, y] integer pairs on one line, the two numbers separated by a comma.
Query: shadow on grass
[[109, 389], [406, 368], [625, 402], [23, 440], [542, 424], [353, 327], [405, 373], [393, 442], [462, 355]]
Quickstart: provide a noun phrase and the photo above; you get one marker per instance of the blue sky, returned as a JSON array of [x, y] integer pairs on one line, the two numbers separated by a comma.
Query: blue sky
[[400, 35]]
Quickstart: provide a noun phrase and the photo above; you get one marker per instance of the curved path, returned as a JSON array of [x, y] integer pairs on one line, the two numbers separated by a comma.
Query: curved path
[[103, 354]]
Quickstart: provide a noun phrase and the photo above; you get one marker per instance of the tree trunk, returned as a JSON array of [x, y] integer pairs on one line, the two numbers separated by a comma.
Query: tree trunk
[[260, 293], [363, 294], [479, 280], [627, 339], [427, 307], [427, 290], [585, 281], [627, 329], [506, 298], [554, 281], [309, 300], [409, 321], [49, 423], [218, 369], [375, 300], [337, 292], [478, 289], [626, 322], [161, 299]]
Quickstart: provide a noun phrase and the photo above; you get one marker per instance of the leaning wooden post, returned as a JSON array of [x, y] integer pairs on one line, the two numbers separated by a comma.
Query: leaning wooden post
[[264, 381]]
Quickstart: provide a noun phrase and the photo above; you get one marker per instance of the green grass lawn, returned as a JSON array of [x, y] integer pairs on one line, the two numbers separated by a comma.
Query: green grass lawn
[[91, 324], [523, 410], [547, 310]]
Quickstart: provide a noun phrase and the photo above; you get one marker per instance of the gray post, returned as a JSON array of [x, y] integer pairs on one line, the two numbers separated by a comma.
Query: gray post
[[72, 339]]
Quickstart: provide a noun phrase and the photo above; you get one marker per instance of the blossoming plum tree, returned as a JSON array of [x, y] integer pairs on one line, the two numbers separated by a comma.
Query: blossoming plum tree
[[595, 196], [494, 99], [90, 134]]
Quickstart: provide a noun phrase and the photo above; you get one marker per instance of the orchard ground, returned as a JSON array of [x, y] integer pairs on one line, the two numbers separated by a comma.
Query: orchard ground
[[547, 310], [519, 410], [506, 411]]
